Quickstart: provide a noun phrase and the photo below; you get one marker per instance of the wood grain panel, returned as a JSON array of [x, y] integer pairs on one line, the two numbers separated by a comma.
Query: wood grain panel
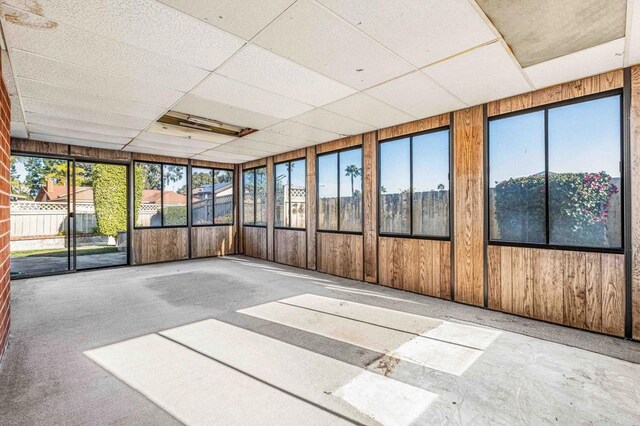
[[414, 126], [138, 156], [416, 265], [255, 241], [311, 207], [468, 205], [347, 142], [574, 89], [578, 289], [212, 164], [38, 147], [255, 163], [270, 207], [370, 199], [208, 241], [83, 152], [290, 247], [340, 254], [160, 245], [291, 155], [635, 200]]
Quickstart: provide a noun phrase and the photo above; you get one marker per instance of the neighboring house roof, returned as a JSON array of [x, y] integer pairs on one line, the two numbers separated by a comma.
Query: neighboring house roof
[[58, 193]]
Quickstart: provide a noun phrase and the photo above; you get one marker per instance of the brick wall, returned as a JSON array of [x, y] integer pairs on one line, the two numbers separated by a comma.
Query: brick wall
[[5, 165]]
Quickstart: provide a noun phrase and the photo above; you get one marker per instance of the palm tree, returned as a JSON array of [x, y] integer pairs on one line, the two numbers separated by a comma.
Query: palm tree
[[353, 171]]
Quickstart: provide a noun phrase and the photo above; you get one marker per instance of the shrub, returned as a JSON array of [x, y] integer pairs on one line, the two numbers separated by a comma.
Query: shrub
[[175, 215]]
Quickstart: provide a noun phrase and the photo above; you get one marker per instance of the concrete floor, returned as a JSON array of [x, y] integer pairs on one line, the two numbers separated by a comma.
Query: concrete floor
[[38, 265], [240, 341]]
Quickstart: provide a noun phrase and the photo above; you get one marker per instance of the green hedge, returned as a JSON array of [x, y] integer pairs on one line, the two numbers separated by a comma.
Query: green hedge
[[110, 198], [578, 205], [175, 216]]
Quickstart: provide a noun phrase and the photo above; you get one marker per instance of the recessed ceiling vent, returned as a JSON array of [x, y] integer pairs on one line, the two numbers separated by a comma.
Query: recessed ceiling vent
[[201, 124]]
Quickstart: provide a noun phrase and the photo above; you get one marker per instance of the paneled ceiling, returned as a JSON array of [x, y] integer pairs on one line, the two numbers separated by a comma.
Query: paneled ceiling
[[300, 72]]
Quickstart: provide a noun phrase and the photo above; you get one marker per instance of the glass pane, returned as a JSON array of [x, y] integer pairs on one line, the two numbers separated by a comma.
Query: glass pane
[[248, 213], [431, 184], [148, 185], [201, 196], [328, 192], [584, 174], [223, 196], [282, 194], [174, 195], [517, 179], [351, 190], [100, 215], [298, 193], [261, 196], [394, 187], [39, 215]]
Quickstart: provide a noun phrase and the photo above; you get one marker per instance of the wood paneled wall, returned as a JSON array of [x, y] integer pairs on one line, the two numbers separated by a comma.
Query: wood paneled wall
[[255, 241], [310, 212], [208, 241], [579, 289], [159, 245], [370, 200], [416, 265], [635, 199], [290, 247], [341, 255]]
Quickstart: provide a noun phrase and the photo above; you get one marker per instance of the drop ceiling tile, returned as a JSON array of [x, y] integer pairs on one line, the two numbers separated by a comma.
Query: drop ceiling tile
[[632, 52], [83, 126], [17, 129], [278, 139], [65, 96], [16, 111], [196, 105], [421, 31], [190, 133], [260, 68], [176, 141], [244, 18], [297, 130], [73, 141], [77, 134], [224, 157], [596, 60], [231, 92], [96, 82], [69, 44], [7, 74], [231, 149], [310, 35], [78, 113], [481, 75], [157, 151], [185, 149], [327, 120], [260, 146], [146, 24], [369, 110], [416, 94]]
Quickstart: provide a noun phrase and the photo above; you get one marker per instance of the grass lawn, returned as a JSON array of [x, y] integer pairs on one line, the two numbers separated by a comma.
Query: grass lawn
[[62, 252]]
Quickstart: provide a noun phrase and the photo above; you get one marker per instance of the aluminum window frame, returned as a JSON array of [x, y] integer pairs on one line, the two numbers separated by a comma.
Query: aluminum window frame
[[275, 183], [213, 203], [253, 170]]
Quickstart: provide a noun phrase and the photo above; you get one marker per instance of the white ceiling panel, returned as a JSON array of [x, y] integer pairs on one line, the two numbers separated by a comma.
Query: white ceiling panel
[[73, 141], [77, 134], [481, 75], [260, 146], [146, 24], [260, 68], [176, 141], [65, 96], [196, 105], [327, 120], [277, 139], [156, 151], [224, 157], [77, 113], [185, 149], [311, 35], [297, 130], [416, 94], [632, 50], [421, 31], [244, 18], [83, 126], [17, 129], [190, 133], [231, 92], [596, 60], [369, 110], [76, 46], [16, 111], [232, 149], [96, 82]]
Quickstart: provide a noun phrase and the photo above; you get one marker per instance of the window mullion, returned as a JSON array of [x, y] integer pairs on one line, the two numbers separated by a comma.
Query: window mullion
[[411, 185], [338, 194], [162, 195], [546, 176]]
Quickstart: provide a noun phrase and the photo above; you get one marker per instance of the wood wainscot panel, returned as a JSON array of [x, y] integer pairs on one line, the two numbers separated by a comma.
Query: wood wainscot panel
[[340, 254], [290, 247], [635, 200], [208, 241], [160, 245], [416, 265], [255, 241]]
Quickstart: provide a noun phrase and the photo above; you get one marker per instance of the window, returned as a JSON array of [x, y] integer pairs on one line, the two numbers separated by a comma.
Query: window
[[255, 197], [211, 196], [160, 194], [340, 191], [414, 185], [555, 175], [290, 193]]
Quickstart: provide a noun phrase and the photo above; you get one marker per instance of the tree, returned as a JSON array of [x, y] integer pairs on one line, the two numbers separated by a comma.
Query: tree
[[353, 171]]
